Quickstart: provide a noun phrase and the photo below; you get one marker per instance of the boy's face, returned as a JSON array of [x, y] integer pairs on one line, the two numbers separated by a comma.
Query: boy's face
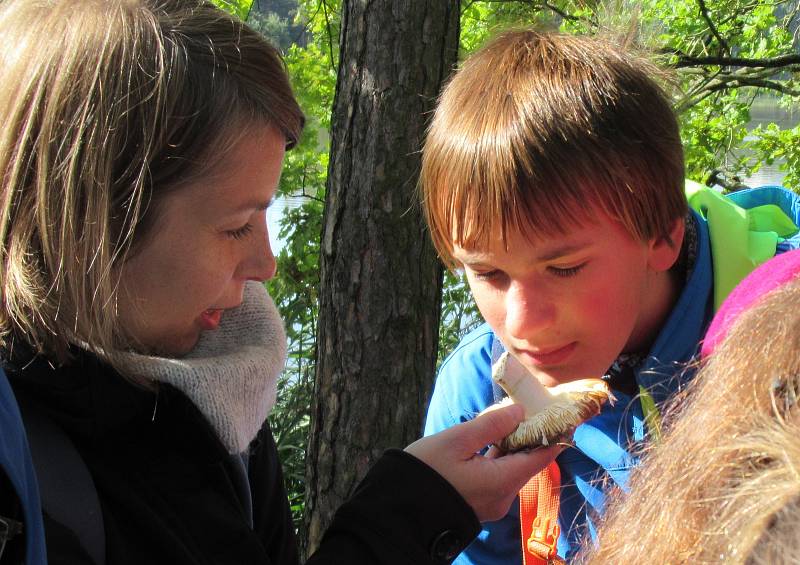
[[567, 306]]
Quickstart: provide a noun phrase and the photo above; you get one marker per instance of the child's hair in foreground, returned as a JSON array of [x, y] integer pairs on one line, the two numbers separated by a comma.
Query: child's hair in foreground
[[724, 484], [536, 128], [107, 105]]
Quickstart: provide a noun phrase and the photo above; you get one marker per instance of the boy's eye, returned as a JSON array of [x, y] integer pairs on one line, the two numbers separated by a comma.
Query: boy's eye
[[566, 271], [486, 275], [241, 232]]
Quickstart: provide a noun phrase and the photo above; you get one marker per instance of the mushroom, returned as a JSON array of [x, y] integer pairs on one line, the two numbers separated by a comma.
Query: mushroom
[[551, 414]]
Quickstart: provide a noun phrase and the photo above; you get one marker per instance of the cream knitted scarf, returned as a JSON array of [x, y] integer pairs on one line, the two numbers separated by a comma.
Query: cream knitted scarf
[[231, 374]]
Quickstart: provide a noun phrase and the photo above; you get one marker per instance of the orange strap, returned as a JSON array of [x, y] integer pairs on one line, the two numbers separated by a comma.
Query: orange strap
[[538, 517]]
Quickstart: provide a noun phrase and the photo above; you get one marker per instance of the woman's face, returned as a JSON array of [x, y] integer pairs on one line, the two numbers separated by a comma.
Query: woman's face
[[209, 237]]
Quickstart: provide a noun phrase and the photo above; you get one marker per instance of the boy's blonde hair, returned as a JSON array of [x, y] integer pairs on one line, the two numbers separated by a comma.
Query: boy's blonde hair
[[724, 484], [537, 128], [106, 105]]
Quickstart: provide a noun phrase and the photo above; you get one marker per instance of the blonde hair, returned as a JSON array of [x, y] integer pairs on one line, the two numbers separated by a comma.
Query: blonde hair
[[724, 485], [106, 105], [535, 128]]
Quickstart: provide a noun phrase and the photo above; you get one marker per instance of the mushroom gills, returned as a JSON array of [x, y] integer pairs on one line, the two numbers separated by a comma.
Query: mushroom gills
[[551, 414]]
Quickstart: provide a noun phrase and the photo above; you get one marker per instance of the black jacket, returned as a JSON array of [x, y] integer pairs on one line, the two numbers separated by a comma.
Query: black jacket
[[168, 488]]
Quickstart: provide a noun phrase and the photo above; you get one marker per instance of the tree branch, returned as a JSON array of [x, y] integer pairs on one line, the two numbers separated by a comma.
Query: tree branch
[[536, 4], [560, 12], [729, 83], [757, 83], [465, 5], [330, 33], [769, 63], [704, 12]]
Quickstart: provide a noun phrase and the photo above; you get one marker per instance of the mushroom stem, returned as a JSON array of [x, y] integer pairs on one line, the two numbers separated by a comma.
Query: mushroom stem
[[520, 386]]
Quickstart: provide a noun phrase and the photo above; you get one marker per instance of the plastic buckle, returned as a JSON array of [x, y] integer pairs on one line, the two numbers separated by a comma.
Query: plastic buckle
[[543, 542]]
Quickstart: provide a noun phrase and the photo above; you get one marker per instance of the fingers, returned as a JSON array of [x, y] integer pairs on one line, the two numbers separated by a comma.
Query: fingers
[[490, 427], [517, 468], [501, 478]]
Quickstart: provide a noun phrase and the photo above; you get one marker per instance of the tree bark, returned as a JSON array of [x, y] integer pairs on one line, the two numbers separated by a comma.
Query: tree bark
[[380, 278]]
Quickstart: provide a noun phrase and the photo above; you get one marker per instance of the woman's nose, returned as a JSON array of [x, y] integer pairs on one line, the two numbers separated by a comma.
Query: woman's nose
[[260, 264]]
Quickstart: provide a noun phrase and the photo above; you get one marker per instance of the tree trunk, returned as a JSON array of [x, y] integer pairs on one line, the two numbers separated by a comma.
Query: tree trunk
[[380, 278]]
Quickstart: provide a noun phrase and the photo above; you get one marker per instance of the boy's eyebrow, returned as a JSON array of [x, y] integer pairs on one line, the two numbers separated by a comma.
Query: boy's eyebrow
[[562, 250], [476, 257], [469, 256]]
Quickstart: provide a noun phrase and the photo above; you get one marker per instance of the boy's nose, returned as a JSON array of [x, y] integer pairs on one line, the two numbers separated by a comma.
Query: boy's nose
[[528, 311]]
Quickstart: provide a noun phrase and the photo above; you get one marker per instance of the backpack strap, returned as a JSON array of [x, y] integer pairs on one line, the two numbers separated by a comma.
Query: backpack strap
[[741, 238], [67, 490], [539, 501]]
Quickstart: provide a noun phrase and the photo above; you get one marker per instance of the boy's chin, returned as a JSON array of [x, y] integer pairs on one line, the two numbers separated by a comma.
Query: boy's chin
[[554, 376]]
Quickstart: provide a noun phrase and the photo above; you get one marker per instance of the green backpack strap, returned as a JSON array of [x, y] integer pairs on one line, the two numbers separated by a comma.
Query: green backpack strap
[[741, 239], [652, 416]]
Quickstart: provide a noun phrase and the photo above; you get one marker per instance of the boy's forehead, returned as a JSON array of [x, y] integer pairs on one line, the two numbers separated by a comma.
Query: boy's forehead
[[543, 246]]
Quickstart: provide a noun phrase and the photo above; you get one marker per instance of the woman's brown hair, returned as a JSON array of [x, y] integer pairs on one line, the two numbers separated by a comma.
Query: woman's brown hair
[[106, 105]]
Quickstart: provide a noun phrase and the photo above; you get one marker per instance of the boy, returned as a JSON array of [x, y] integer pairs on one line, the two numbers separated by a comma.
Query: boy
[[553, 176]]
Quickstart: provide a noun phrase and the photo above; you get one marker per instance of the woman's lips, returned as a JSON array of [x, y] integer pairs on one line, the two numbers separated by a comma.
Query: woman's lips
[[209, 320], [549, 357]]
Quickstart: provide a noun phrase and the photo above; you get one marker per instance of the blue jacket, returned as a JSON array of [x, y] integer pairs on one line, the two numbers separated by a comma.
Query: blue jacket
[[603, 446], [15, 462]]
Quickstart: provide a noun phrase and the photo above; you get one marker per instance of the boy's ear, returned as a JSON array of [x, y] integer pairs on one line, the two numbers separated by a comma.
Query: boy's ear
[[664, 249]]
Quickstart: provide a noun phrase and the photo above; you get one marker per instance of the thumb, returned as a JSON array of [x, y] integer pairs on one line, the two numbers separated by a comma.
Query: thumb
[[491, 426]]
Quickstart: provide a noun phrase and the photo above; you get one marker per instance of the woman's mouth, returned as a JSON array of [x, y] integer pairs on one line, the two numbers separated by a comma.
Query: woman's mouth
[[549, 357], [209, 320]]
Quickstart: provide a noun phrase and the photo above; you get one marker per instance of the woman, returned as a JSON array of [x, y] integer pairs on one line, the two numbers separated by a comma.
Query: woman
[[142, 143]]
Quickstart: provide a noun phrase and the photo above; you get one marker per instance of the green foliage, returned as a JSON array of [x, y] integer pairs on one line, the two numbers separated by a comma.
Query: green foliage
[[458, 315], [273, 27], [716, 99], [322, 19], [480, 20], [776, 143], [296, 293], [280, 21], [239, 8], [314, 82], [295, 287]]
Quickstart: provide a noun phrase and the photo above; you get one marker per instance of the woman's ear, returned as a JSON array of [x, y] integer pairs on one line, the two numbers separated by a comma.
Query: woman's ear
[[664, 249]]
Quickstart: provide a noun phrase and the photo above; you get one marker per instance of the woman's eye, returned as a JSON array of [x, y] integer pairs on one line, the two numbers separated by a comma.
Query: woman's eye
[[241, 232], [566, 271]]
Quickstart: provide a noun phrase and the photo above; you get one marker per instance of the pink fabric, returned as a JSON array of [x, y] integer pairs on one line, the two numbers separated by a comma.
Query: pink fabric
[[769, 276]]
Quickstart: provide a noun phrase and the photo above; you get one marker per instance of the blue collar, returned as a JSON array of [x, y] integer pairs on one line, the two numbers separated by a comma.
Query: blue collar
[[679, 339]]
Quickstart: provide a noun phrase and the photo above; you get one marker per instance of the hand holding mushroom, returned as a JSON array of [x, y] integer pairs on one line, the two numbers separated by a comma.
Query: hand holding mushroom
[[551, 414], [489, 483]]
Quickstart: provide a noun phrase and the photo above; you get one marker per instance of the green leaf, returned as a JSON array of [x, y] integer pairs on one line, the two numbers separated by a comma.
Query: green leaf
[[239, 8]]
